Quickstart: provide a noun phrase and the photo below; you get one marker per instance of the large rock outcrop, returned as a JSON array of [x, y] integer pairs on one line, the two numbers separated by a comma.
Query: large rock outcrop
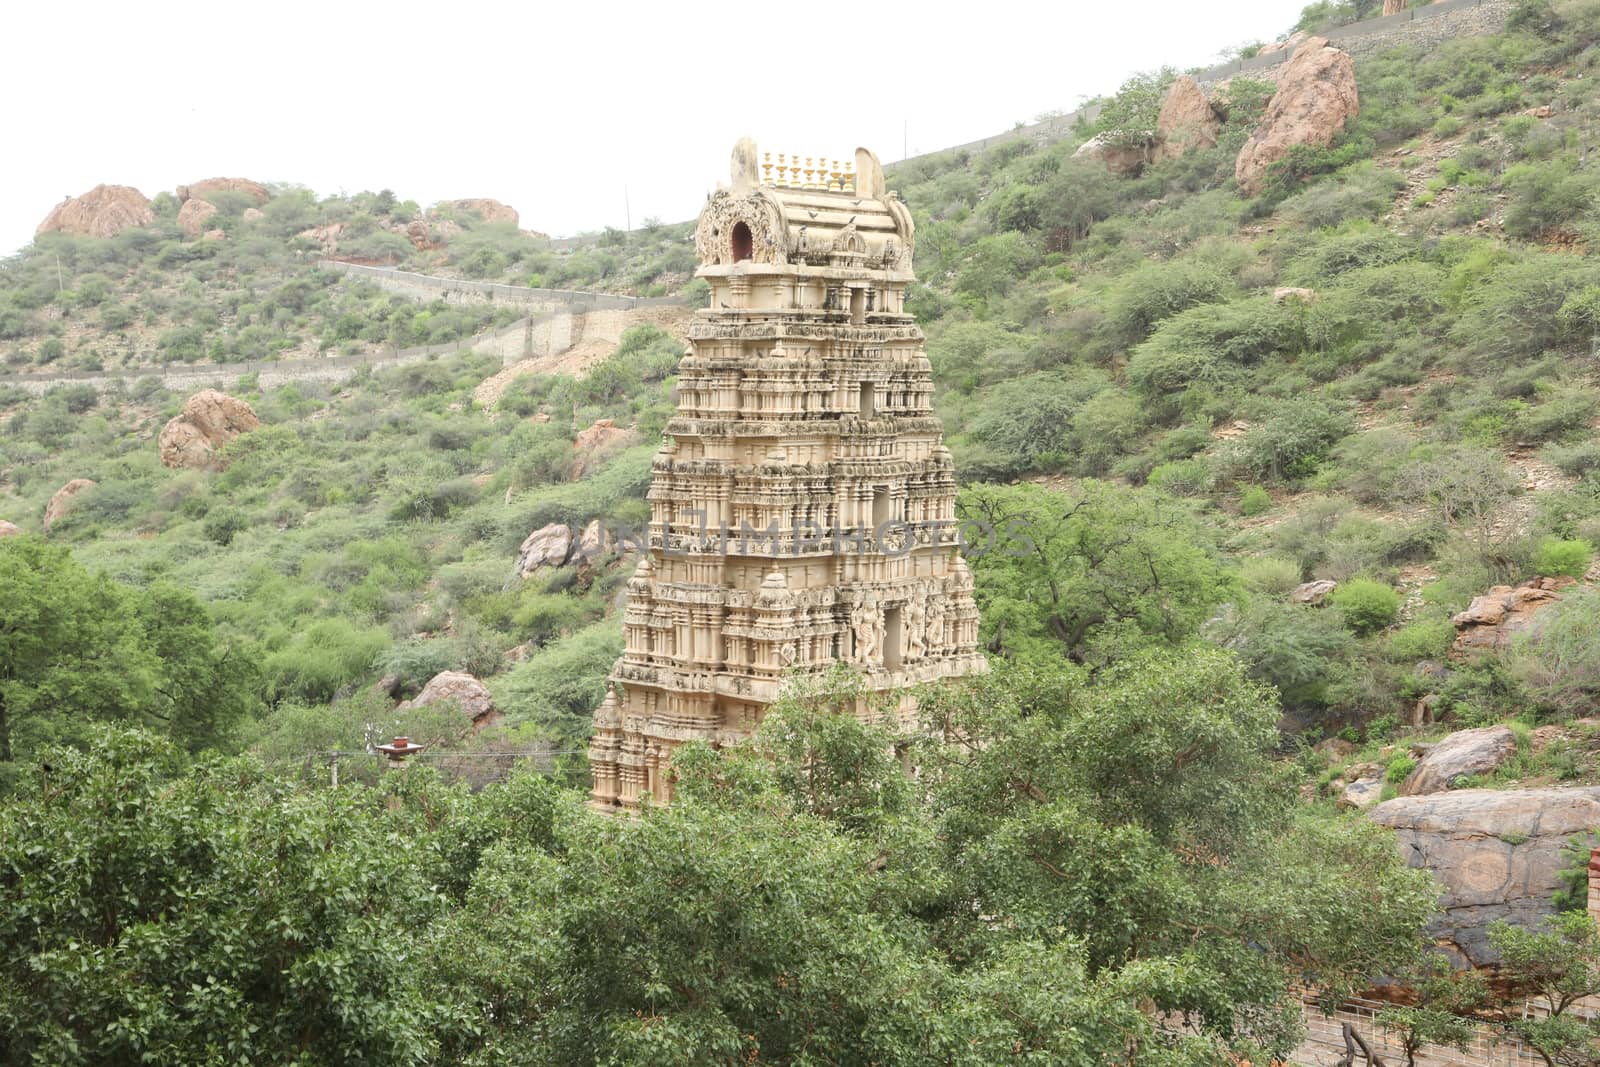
[[202, 189], [486, 209], [1122, 154], [465, 692], [1497, 853], [104, 211], [1461, 755], [9, 529], [593, 446], [208, 421], [1492, 621], [193, 216], [64, 500], [548, 546], [1316, 97], [1187, 120]]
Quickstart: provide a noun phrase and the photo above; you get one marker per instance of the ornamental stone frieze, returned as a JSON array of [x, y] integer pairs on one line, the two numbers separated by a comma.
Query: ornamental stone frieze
[[803, 502]]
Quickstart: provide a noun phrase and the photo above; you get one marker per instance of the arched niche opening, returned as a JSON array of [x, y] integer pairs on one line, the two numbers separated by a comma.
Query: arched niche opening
[[743, 243]]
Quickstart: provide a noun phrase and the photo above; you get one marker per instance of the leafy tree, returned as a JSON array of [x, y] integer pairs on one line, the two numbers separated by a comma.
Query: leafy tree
[[155, 913], [1091, 574], [1556, 966], [77, 648], [1442, 1014]]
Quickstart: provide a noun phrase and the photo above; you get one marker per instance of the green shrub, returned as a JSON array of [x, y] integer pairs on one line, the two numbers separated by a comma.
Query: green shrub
[[1367, 606], [1427, 639], [1554, 557], [1254, 501], [1398, 768], [1270, 575]]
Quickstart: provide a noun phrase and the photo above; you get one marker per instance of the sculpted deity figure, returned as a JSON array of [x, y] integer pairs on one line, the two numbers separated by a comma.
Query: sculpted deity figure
[[916, 626], [933, 635]]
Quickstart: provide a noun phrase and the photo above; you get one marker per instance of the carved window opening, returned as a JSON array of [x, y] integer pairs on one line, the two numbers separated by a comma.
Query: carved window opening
[[892, 633], [869, 397], [882, 506], [743, 244], [858, 306]]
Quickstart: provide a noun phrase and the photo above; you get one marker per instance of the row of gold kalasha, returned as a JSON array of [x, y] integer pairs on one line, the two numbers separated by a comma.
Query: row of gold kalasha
[[816, 177]]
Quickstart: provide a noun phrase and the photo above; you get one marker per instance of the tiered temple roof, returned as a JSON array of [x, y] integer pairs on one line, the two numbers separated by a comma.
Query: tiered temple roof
[[803, 503]]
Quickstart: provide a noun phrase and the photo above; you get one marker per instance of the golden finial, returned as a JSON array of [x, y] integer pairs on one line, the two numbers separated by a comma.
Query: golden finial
[[766, 167], [810, 170], [849, 177], [836, 175], [783, 169]]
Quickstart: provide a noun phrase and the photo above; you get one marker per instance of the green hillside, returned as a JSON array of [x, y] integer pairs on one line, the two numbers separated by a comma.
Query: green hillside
[[1180, 402]]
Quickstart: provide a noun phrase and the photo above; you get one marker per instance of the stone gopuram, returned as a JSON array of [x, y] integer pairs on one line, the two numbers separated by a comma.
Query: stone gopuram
[[803, 503]]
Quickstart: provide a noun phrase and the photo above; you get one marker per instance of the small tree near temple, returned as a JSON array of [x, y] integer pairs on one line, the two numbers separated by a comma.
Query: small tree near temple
[[1555, 967], [1446, 999]]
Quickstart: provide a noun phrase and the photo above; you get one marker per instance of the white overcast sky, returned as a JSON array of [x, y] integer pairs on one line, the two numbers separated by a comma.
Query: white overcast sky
[[556, 109]]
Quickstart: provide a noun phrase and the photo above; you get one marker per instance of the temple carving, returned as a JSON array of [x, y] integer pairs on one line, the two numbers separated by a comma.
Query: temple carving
[[803, 503]]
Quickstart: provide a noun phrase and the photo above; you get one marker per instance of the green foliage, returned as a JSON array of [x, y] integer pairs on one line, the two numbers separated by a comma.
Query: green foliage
[[203, 903], [1559, 663], [1425, 639], [1555, 557], [1398, 769], [1254, 501], [1365, 605], [1556, 966], [1446, 999], [79, 648], [1094, 574]]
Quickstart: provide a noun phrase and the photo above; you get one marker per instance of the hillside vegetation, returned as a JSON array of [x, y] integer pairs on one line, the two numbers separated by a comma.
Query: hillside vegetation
[[1180, 402], [153, 295]]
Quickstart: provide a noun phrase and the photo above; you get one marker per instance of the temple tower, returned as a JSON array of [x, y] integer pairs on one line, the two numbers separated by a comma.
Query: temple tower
[[803, 503]]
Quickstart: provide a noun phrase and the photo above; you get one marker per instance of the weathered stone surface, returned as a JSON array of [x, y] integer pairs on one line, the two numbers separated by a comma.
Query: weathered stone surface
[[1393, 7], [326, 237], [488, 210], [209, 420], [1313, 592], [206, 186], [593, 446], [1187, 120], [214, 235], [1294, 292], [463, 690], [64, 500], [594, 544], [1362, 793], [1466, 752], [1497, 853], [104, 211], [1316, 97], [1290, 42], [9, 529], [1121, 157], [194, 213], [253, 214], [548, 546], [1492, 621]]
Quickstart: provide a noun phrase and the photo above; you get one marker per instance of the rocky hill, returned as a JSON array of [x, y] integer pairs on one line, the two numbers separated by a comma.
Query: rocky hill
[[1292, 378]]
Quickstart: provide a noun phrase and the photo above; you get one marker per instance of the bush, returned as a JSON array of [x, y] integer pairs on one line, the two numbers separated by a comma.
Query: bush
[[1255, 501], [1570, 558], [1366, 606], [1399, 769], [1429, 639]]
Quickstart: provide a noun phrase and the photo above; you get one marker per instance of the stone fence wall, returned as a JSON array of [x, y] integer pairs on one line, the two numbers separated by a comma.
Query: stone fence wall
[[1324, 1043], [1425, 27], [464, 291]]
